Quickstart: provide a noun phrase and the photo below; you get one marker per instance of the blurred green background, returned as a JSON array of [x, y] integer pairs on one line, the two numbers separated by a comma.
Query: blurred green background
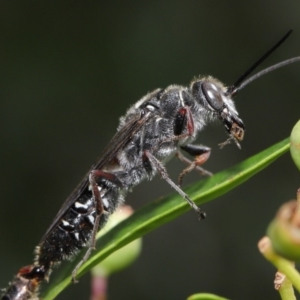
[[69, 70]]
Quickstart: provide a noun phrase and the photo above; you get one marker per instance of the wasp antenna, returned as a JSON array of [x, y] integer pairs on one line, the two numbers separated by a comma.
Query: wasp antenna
[[268, 70], [236, 86]]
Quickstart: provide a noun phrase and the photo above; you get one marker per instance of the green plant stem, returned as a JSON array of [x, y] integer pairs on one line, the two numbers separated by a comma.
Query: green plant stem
[[286, 290], [283, 265]]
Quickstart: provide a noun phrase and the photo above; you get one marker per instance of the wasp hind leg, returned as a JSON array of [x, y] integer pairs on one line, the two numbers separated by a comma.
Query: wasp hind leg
[[94, 177]]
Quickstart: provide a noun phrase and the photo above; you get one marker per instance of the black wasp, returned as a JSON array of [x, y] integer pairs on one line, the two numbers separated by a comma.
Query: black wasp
[[160, 125]]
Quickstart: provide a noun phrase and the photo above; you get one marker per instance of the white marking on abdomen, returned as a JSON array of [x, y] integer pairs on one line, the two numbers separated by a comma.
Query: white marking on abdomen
[[105, 203], [91, 219], [80, 205]]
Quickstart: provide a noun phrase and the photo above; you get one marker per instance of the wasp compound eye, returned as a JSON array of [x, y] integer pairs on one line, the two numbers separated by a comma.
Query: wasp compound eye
[[214, 95]]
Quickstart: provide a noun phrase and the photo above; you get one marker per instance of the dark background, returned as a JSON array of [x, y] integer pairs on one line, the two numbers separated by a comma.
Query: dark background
[[69, 70]]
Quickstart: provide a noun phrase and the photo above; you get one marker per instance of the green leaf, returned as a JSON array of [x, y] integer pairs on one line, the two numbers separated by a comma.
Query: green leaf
[[206, 296], [161, 211]]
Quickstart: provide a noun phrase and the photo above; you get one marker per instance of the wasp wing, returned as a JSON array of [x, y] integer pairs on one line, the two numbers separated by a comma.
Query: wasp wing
[[120, 140]]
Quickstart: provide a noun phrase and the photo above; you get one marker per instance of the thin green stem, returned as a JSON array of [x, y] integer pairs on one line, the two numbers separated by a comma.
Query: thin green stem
[[283, 265], [286, 290]]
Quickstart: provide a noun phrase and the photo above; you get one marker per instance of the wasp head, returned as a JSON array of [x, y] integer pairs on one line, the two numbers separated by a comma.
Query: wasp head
[[214, 97]]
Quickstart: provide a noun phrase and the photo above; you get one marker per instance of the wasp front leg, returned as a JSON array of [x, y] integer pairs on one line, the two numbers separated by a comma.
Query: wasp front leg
[[184, 123], [184, 127], [201, 154]]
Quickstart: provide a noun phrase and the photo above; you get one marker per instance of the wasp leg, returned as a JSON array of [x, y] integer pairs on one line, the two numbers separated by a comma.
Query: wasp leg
[[95, 176], [26, 283], [157, 165], [184, 123], [201, 154]]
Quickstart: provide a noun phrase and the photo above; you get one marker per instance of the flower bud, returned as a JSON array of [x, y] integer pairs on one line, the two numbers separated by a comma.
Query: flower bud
[[284, 231]]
